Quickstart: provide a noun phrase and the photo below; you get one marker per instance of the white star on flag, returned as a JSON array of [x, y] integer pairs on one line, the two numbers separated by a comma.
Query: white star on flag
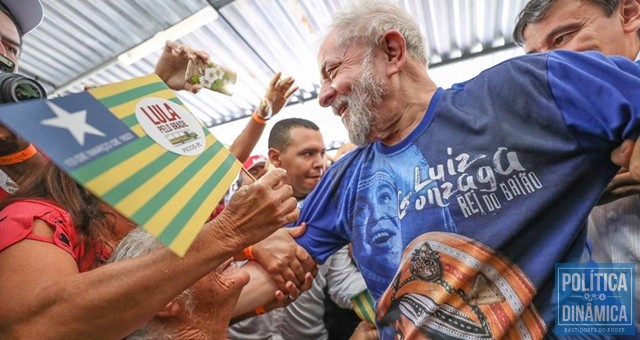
[[75, 122]]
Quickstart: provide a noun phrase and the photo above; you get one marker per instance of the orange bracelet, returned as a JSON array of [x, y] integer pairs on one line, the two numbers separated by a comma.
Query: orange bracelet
[[260, 310], [19, 156], [248, 252], [258, 119]]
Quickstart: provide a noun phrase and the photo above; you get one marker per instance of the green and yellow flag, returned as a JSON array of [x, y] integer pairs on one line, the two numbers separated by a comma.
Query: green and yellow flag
[[138, 148], [364, 306]]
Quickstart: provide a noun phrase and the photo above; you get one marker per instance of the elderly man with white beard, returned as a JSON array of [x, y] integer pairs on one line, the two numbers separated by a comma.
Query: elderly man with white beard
[[466, 258]]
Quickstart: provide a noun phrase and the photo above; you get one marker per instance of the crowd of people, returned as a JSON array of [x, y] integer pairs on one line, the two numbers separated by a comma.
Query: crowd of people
[[448, 212]]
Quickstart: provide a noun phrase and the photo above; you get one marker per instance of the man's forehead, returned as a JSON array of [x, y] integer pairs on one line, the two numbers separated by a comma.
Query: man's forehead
[[327, 47], [302, 138], [535, 35], [302, 133], [8, 28], [557, 17]]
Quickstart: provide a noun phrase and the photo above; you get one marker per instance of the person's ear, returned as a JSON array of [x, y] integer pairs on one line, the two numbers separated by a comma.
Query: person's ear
[[274, 157], [630, 12], [395, 50], [170, 310]]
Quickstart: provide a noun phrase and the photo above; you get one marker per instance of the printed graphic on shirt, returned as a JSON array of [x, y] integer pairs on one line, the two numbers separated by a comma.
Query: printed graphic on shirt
[[452, 287], [477, 184], [401, 197], [379, 229]]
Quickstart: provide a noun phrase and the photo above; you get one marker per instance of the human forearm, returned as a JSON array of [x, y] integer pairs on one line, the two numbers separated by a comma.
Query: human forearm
[[247, 139], [108, 302], [262, 294], [276, 96], [47, 297], [260, 290]]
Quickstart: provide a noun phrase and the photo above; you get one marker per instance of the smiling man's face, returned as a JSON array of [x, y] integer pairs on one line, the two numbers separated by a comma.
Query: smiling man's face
[[303, 158], [352, 88]]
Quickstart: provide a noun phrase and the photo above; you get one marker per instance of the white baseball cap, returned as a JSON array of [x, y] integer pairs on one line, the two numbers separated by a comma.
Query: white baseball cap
[[28, 13]]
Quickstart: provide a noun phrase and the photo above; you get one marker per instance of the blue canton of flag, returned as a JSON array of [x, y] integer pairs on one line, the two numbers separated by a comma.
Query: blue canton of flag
[[72, 130]]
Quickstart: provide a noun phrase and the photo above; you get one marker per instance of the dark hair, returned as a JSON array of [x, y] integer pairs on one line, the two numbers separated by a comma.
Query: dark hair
[[281, 131], [535, 10], [53, 185]]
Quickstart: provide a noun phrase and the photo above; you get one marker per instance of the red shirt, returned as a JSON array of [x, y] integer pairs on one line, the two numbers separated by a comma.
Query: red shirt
[[3, 194], [16, 224]]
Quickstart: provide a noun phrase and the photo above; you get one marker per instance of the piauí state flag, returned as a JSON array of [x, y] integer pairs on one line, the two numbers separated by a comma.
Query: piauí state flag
[[138, 148]]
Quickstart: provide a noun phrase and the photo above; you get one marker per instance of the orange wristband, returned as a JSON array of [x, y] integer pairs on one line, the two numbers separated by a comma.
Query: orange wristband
[[258, 119], [260, 310], [248, 252], [19, 156]]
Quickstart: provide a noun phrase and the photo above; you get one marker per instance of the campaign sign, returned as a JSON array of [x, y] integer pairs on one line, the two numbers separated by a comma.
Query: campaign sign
[[594, 298], [134, 145]]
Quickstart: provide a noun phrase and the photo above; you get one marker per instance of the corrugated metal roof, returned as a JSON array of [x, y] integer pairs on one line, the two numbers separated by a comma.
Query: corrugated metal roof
[[79, 41]]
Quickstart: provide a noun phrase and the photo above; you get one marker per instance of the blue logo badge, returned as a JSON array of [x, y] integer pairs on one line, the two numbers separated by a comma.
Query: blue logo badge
[[594, 298]]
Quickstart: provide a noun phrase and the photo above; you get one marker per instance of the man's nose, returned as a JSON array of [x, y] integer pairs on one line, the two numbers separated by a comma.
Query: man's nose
[[318, 161], [327, 94]]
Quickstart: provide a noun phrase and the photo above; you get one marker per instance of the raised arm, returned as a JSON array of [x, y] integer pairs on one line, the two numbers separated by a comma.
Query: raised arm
[[276, 96]]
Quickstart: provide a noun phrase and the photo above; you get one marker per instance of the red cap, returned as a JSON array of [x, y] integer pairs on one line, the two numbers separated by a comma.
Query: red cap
[[254, 161]]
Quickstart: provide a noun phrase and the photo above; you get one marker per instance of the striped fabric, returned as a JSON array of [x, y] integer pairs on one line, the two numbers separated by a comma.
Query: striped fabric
[[364, 306], [171, 195], [137, 147]]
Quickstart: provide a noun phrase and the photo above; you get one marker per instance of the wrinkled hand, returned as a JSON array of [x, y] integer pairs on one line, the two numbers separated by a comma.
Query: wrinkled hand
[[622, 185], [364, 331], [278, 93], [257, 210], [292, 292], [283, 258], [172, 66]]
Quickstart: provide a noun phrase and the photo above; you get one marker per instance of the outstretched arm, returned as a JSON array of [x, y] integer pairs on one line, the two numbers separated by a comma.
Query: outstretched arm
[[262, 292], [44, 296], [282, 257]]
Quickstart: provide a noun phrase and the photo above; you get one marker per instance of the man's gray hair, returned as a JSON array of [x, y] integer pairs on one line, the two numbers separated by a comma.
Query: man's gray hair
[[370, 19], [137, 243], [535, 10]]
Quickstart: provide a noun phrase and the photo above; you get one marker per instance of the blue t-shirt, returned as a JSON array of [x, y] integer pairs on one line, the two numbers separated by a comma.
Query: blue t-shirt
[[493, 188]]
